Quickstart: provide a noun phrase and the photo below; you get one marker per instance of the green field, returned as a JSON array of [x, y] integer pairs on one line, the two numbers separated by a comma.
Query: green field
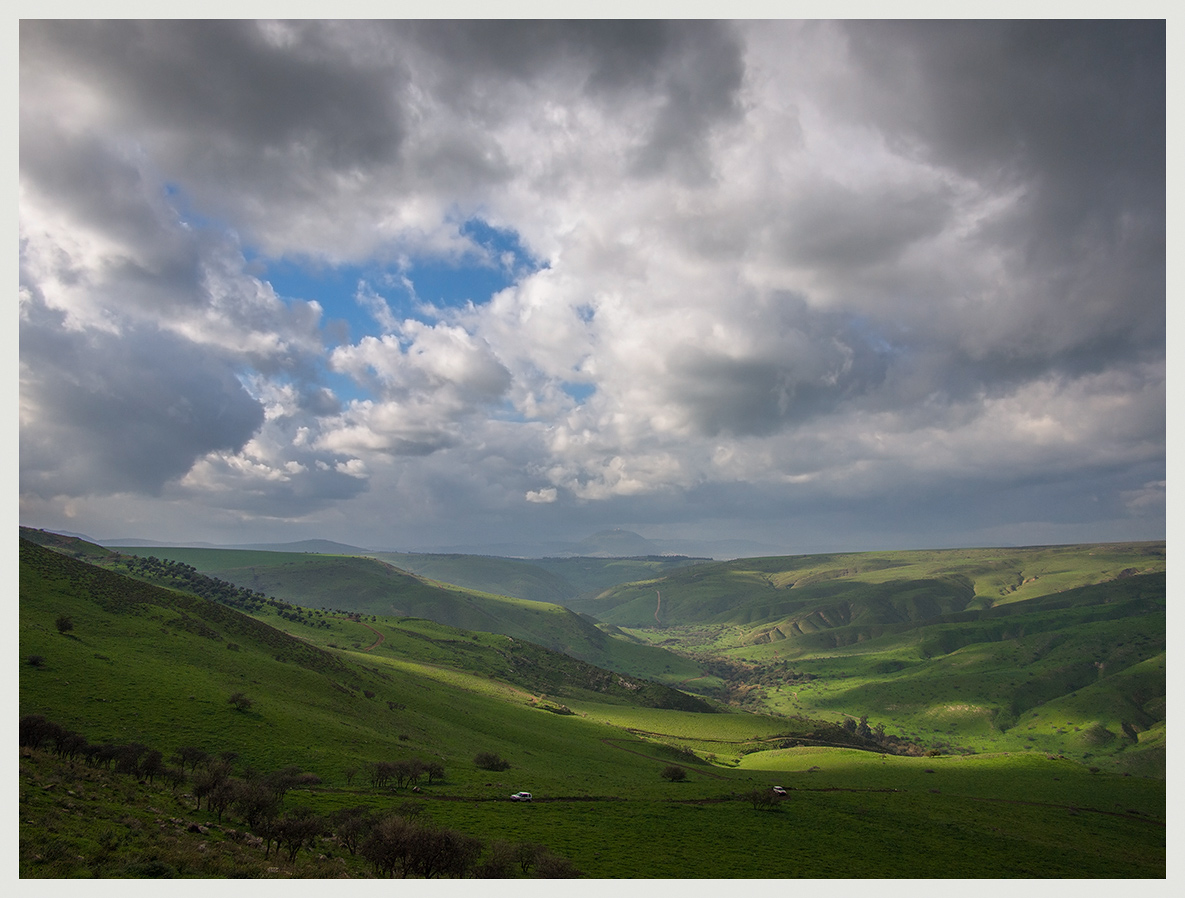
[[373, 587], [335, 695], [1055, 649]]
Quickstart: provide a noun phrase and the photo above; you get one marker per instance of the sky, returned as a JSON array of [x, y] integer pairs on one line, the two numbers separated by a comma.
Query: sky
[[823, 285]]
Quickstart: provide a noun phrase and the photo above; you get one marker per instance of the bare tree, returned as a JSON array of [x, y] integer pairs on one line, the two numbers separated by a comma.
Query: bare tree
[[498, 862], [352, 825], [555, 866], [388, 845], [298, 830], [240, 701], [190, 755], [254, 801], [527, 853]]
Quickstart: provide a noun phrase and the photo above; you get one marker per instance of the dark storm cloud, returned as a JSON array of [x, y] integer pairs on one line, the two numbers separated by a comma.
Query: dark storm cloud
[[839, 228], [270, 125], [1070, 114], [104, 190], [612, 58], [120, 414], [818, 362], [691, 71], [248, 89], [1079, 103]]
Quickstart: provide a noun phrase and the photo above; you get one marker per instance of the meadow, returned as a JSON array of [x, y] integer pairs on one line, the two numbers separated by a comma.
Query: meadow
[[336, 695]]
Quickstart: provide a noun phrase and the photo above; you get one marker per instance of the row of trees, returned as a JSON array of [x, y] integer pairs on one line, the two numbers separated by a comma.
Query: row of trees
[[179, 575], [400, 844], [405, 772]]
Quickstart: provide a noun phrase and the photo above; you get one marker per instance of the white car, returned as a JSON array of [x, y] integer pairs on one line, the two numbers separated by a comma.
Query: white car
[[521, 796], [778, 790]]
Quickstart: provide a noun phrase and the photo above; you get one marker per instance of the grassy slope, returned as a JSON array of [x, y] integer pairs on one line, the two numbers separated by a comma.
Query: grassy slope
[[149, 665], [593, 575], [769, 596], [501, 576], [1058, 649], [373, 587]]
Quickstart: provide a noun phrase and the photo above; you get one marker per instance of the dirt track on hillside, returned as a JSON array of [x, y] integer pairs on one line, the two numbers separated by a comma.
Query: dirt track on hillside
[[373, 645]]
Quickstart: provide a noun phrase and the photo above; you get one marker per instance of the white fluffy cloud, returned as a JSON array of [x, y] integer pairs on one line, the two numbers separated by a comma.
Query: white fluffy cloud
[[803, 262]]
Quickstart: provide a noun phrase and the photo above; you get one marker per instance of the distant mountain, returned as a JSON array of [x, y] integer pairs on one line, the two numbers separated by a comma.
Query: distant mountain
[[71, 533], [319, 546], [720, 549], [130, 541], [616, 544]]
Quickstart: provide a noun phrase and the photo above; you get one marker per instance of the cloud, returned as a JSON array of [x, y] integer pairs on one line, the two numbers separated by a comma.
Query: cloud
[[800, 263], [429, 379], [123, 413]]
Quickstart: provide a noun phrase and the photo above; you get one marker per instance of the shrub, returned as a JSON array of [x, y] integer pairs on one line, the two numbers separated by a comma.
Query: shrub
[[763, 799], [240, 701], [674, 773], [64, 623], [487, 760], [554, 866], [36, 661]]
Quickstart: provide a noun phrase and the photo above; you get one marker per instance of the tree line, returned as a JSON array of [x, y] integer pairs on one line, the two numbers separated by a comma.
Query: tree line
[[178, 575]]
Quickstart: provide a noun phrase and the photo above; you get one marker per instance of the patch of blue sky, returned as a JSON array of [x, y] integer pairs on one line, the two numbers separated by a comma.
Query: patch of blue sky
[[408, 289], [579, 392], [506, 411], [335, 288]]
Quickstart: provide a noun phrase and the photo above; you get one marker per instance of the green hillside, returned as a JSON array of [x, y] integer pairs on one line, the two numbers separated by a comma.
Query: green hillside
[[593, 575], [500, 576], [156, 665], [373, 587], [1053, 648], [121, 663], [558, 580], [780, 598]]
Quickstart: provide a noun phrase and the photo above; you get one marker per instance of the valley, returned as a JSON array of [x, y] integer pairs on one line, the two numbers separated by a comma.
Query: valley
[[1001, 722]]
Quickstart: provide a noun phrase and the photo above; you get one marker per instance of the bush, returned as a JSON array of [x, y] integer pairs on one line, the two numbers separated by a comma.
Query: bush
[[240, 701], [554, 866], [674, 773], [763, 799], [487, 760]]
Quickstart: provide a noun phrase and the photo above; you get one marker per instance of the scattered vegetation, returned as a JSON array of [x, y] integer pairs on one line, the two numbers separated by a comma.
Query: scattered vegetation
[[132, 765]]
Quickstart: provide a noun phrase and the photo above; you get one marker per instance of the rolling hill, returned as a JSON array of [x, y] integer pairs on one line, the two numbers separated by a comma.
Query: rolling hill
[[559, 580], [121, 664], [363, 585], [1057, 648]]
